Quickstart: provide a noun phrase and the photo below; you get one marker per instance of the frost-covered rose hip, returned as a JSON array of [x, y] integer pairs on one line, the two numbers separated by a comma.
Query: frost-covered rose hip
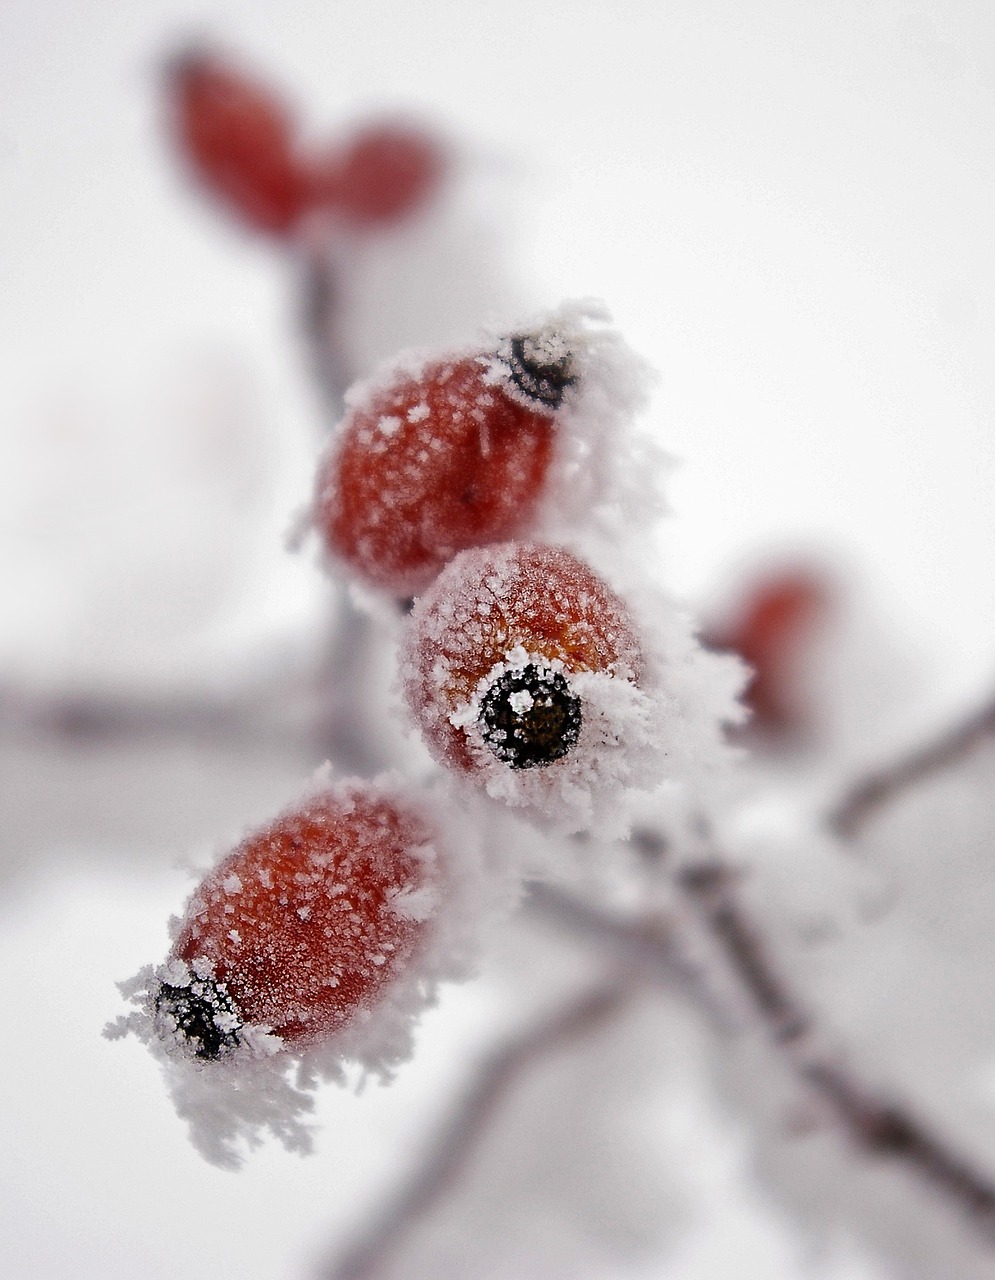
[[317, 942], [522, 669], [304, 924], [442, 456]]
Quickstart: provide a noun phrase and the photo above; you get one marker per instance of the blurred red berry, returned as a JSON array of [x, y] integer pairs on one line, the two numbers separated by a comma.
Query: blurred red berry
[[304, 924], [238, 138], [773, 632], [384, 174], [453, 455], [505, 630]]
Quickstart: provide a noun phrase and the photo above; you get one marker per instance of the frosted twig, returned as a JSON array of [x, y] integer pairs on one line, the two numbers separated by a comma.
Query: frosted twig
[[710, 887], [879, 1126], [876, 1124], [321, 716], [454, 1144], [348, 730], [882, 786], [79, 718], [650, 946]]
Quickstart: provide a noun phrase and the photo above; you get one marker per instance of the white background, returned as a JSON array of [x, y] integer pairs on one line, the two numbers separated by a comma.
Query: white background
[[788, 209]]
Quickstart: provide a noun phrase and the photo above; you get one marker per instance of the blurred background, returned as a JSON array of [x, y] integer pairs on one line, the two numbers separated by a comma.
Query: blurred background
[[788, 211]]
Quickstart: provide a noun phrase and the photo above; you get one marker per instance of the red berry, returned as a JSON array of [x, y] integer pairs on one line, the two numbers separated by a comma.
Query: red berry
[[496, 652], [773, 633], [239, 140], [385, 173], [304, 924], [452, 455]]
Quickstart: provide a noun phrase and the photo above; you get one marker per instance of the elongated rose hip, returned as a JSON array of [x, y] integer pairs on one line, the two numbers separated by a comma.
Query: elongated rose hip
[[304, 924]]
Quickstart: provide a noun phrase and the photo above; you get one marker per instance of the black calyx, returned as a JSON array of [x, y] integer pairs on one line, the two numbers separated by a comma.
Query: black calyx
[[203, 1014], [530, 718], [539, 371]]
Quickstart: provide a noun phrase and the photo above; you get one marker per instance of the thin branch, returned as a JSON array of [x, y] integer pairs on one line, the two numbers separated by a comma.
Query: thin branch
[[876, 1124], [711, 888], [890, 1131], [318, 318], [86, 719], [318, 715], [870, 794], [435, 1175], [347, 728], [879, 1126], [651, 946]]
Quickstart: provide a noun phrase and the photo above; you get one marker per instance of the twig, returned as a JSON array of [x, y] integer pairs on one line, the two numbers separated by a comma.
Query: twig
[[879, 1126], [347, 728], [81, 719], [883, 786], [318, 716], [887, 1130], [876, 1124], [710, 887], [650, 946], [454, 1144], [317, 309]]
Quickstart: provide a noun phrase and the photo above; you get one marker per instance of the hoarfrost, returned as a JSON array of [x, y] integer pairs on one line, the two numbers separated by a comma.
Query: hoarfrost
[[254, 1084], [652, 717], [601, 476]]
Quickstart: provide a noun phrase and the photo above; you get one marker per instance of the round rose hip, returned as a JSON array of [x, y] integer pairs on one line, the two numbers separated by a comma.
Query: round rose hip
[[447, 455], [507, 659]]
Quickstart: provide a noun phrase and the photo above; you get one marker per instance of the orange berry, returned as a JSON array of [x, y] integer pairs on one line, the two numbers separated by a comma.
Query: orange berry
[[304, 924], [238, 139], [494, 651], [451, 455]]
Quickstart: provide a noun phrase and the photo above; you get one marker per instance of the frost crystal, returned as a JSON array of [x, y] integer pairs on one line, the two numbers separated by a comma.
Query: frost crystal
[[246, 1027], [200, 1014], [540, 365]]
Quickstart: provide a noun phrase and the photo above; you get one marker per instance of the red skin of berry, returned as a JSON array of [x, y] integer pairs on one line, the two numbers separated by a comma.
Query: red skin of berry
[[239, 140], [460, 464], [540, 597], [773, 633], [297, 919], [385, 173]]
